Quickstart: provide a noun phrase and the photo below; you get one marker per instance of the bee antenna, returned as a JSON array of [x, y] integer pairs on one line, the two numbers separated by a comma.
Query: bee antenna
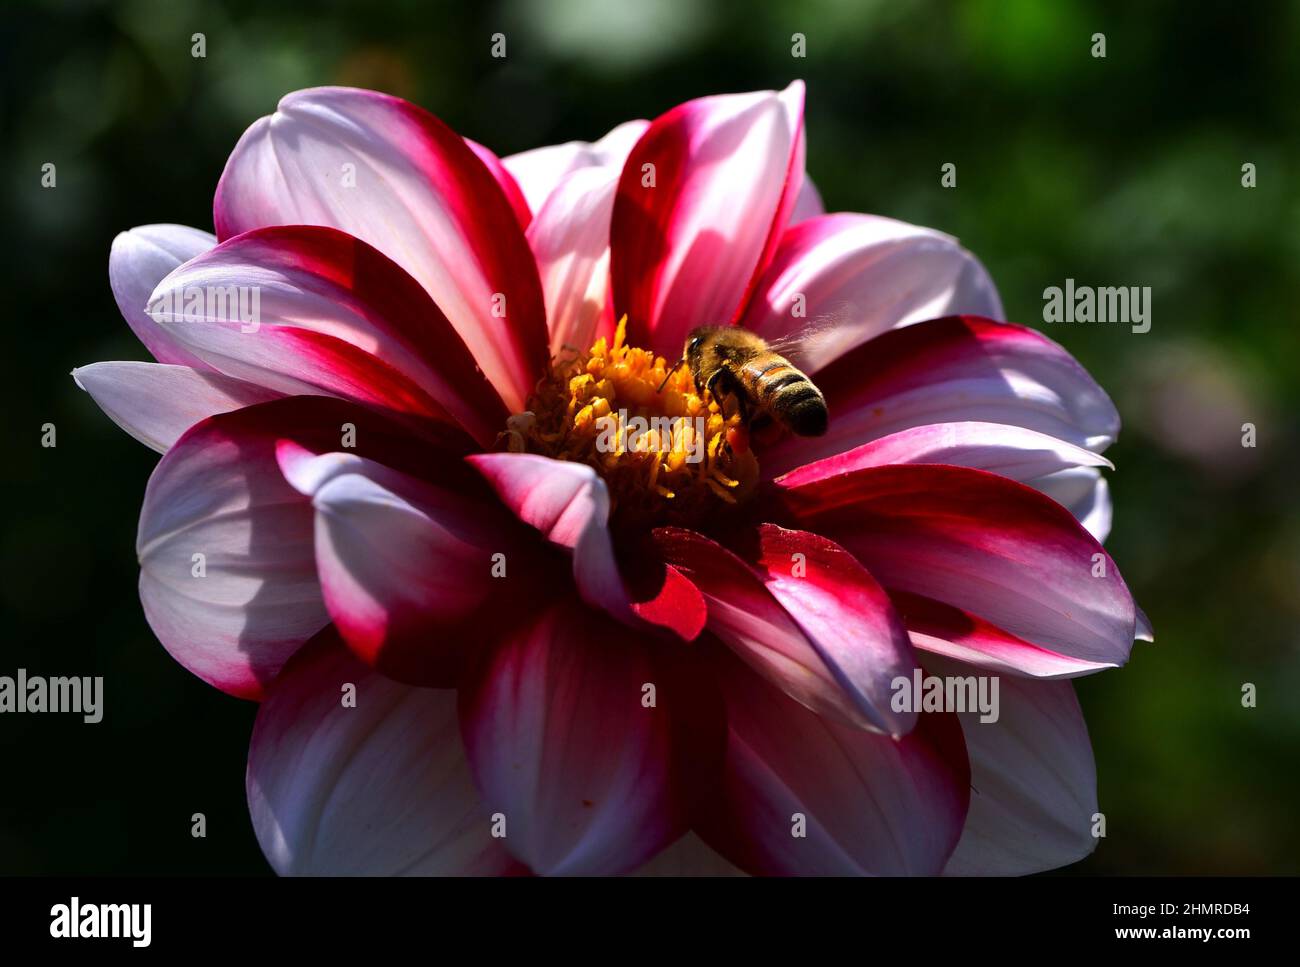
[[676, 366]]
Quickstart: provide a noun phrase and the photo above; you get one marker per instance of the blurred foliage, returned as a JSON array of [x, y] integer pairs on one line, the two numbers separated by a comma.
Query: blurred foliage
[[1123, 170]]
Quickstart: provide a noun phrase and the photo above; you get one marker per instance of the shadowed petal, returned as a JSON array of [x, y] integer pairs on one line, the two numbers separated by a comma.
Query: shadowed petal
[[1084, 492], [227, 568], [1033, 780], [138, 261], [156, 403], [941, 629], [570, 731], [376, 786], [805, 795]]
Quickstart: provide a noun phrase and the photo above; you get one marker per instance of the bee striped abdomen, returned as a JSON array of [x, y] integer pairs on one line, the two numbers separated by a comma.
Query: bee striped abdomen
[[779, 381], [792, 398]]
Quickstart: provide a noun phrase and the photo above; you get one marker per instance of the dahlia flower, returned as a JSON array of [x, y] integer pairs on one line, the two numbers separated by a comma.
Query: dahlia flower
[[484, 645]]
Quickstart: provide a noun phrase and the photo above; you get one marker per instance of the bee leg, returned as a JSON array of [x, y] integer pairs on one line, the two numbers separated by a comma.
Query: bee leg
[[712, 385], [715, 388], [728, 386], [742, 407]]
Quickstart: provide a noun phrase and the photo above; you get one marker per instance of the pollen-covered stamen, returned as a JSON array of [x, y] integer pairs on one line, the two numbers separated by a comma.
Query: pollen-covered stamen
[[667, 453]]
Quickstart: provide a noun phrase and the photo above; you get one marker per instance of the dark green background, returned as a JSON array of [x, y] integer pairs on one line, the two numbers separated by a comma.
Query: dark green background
[[1122, 171]]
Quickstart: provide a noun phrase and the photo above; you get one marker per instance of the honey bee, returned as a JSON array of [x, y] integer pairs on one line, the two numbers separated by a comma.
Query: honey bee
[[733, 362]]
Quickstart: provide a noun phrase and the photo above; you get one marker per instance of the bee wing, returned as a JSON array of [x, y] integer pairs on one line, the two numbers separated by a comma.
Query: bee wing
[[809, 339]]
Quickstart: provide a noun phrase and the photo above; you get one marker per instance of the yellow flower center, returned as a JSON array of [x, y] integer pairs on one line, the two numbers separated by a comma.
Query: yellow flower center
[[669, 454]]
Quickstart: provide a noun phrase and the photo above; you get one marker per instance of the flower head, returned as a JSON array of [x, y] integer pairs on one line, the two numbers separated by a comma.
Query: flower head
[[519, 594]]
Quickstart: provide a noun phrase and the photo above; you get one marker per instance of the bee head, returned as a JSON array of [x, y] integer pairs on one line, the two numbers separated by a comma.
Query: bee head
[[694, 346]]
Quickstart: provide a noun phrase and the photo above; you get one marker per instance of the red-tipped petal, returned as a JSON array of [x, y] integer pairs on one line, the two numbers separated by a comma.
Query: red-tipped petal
[[310, 309], [1067, 473], [844, 612], [702, 202], [981, 543], [393, 175]]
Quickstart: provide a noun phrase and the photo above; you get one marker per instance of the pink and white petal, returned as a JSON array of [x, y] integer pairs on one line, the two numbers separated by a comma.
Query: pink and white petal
[[569, 504], [376, 788], [539, 171], [981, 543], [1085, 493], [157, 402], [404, 563], [1033, 780], [1011, 451], [845, 614], [689, 856], [688, 246], [235, 615], [137, 262], [570, 240], [941, 629], [420, 195], [868, 803], [332, 314], [796, 645], [564, 748], [865, 275], [505, 181], [959, 369], [808, 204], [227, 574]]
